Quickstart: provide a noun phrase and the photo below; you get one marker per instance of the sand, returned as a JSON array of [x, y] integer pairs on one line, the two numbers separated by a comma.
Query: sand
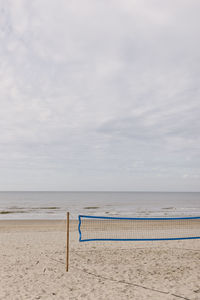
[[32, 266]]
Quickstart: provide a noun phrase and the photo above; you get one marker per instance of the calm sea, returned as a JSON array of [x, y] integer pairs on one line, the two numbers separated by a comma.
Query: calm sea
[[53, 205]]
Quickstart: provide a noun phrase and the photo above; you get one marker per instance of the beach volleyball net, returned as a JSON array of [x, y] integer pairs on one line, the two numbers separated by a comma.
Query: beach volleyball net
[[96, 228]]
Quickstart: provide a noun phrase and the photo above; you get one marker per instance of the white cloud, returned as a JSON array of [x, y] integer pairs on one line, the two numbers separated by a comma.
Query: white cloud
[[102, 95]]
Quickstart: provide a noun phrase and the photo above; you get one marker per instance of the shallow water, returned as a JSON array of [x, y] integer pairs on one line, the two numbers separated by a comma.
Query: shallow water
[[53, 205]]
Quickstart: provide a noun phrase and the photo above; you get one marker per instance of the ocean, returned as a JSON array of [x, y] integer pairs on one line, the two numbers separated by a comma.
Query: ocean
[[54, 205]]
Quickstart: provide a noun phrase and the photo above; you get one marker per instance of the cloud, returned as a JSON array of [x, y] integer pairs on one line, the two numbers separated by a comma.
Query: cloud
[[99, 93]]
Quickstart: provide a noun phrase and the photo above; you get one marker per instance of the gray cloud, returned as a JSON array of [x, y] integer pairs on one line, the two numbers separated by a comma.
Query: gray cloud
[[99, 95]]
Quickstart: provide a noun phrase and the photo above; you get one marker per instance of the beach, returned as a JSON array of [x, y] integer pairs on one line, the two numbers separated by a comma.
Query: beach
[[32, 263]]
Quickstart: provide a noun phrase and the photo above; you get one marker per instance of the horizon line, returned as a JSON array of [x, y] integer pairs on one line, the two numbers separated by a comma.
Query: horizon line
[[93, 191]]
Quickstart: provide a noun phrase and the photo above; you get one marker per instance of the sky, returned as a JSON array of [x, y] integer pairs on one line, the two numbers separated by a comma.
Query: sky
[[100, 95]]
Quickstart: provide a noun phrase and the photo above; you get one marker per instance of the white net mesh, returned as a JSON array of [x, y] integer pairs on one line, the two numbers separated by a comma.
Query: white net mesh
[[102, 228]]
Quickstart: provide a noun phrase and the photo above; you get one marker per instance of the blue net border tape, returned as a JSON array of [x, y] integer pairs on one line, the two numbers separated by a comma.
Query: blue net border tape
[[118, 218], [138, 240], [79, 228]]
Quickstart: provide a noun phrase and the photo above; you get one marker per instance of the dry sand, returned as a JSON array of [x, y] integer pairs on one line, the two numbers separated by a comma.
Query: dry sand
[[32, 266]]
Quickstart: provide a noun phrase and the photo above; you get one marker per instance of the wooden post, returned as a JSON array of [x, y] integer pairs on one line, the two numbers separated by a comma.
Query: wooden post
[[67, 244]]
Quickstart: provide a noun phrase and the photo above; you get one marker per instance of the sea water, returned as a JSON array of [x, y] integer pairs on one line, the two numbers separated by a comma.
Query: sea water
[[54, 205]]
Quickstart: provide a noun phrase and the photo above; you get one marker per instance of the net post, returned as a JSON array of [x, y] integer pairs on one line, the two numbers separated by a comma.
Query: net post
[[67, 244]]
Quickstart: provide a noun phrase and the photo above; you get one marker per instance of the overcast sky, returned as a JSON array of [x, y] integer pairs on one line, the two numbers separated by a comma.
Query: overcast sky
[[100, 95]]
